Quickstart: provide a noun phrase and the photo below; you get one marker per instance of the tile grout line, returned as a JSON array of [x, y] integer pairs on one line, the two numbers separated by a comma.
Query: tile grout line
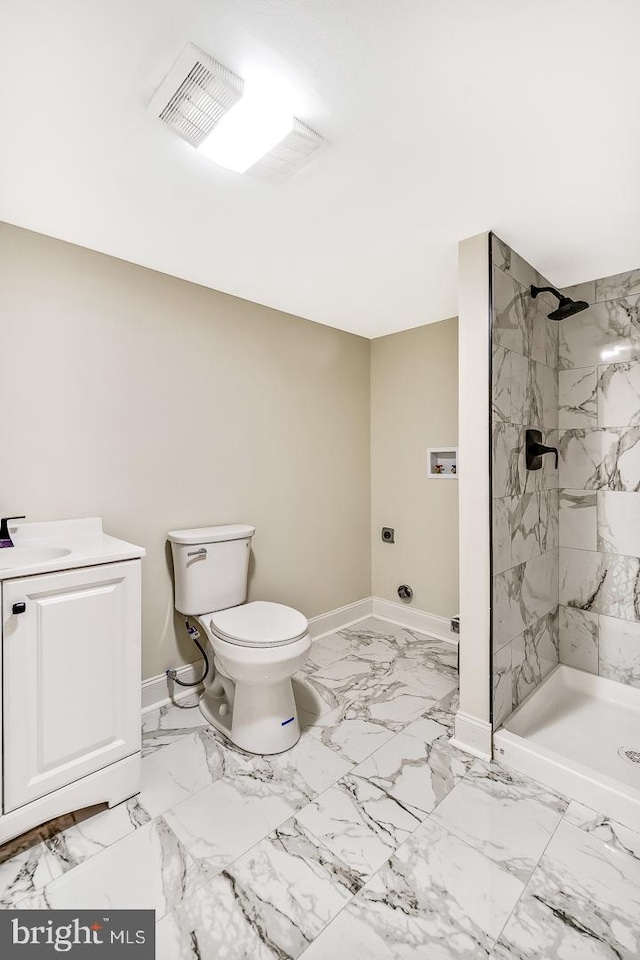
[[525, 889]]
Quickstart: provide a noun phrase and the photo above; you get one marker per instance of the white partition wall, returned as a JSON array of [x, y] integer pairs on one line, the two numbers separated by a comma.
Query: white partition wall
[[473, 721]]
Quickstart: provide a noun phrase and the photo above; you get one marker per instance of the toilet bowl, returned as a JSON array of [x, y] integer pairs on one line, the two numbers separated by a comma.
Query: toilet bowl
[[257, 646]]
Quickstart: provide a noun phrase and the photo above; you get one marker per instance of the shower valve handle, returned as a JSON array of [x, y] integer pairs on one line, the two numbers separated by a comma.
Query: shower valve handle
[[535, 450]]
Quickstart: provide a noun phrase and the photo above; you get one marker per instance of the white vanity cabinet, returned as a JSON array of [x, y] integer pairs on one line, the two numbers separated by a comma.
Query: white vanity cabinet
[[70, 691]]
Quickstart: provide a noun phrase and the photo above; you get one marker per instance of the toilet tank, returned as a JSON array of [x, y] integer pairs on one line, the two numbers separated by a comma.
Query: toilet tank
[[210, 566]]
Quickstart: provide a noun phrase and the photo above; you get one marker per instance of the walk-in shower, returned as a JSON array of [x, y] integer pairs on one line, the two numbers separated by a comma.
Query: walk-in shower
[[565, 618]]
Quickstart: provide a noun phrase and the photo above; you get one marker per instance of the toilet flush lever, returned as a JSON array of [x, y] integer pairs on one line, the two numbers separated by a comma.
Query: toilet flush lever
[[198, 553]]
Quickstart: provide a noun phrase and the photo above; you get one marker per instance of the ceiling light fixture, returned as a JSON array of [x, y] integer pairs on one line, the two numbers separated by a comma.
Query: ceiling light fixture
[[243, 127], [247, 132]]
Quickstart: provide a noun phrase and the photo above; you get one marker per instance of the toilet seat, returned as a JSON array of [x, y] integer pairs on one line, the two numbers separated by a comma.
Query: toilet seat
[[259, 624]]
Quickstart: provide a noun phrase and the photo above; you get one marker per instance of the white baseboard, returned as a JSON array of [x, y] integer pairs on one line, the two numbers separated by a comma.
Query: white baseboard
[[438, 627], [158, 691], [473, 736], [339, 618]]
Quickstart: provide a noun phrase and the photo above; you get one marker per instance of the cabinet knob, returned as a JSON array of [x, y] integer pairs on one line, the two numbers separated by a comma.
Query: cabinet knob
[[19, 607]]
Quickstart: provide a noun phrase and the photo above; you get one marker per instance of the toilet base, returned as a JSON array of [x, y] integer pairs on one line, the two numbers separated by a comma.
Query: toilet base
[[258, 719]]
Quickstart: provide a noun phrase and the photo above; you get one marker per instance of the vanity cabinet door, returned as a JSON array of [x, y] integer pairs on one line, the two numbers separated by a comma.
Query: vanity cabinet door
[[71, 676]]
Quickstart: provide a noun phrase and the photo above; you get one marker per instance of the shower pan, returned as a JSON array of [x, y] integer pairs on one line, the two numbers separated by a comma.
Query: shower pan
[[579, 734]]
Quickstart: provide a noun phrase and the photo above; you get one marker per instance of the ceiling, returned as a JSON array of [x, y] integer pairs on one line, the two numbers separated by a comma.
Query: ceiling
[[445, 118]]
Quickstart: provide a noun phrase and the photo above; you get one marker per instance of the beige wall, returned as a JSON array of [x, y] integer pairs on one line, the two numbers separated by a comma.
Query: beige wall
[[155, 403], [414, 405]]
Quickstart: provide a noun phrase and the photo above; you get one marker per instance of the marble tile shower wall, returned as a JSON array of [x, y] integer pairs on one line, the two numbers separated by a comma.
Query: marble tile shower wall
[[599, 420], [525, 503]]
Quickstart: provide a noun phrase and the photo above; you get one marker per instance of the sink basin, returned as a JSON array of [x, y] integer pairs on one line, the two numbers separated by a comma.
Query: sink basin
[[12, 558]]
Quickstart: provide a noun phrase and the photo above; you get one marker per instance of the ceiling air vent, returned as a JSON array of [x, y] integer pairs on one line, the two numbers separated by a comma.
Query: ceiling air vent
[[283, 160], [195, 95]]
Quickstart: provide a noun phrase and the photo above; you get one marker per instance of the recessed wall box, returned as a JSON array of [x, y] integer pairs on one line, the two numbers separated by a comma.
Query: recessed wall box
[[442, 462]]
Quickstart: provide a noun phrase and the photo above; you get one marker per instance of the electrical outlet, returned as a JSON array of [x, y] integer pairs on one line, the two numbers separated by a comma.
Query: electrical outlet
[[388, 535]]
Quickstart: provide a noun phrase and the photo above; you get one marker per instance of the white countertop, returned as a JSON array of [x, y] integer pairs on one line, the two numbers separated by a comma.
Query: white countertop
[[84, 541]]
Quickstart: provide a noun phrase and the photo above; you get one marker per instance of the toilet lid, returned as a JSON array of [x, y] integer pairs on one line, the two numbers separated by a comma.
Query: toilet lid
[[259, 624]]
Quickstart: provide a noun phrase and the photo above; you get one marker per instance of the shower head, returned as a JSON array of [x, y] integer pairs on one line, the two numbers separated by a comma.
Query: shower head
[[566, 306]]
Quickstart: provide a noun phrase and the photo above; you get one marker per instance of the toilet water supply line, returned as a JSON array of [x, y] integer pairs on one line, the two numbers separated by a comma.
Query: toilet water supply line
[[195, 636]]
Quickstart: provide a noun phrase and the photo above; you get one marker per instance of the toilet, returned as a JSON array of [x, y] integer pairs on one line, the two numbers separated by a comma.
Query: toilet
[[257, 646]]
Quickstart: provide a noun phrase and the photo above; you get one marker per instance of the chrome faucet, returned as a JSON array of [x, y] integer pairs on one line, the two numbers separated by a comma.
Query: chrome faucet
[[5, 536]]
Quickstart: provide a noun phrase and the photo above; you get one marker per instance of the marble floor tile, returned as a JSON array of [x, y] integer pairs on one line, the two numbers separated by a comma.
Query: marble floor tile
[[312, 700], [306, 769], [504, 816], [336, 647], [26, 874], [211, 925], [89, 837], [221, 822], [444, 711], [419, 675], [371, 638], [353, 739], [615, 834], [185, 767], [171, 722], [359, 822], [271, 902], [366, 646], [392, 692], [224, 820], [179, 770], [148, 869], [417, 768], [435, 899], [372, 838], [583, 902], [440, 655], [358, 724]]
